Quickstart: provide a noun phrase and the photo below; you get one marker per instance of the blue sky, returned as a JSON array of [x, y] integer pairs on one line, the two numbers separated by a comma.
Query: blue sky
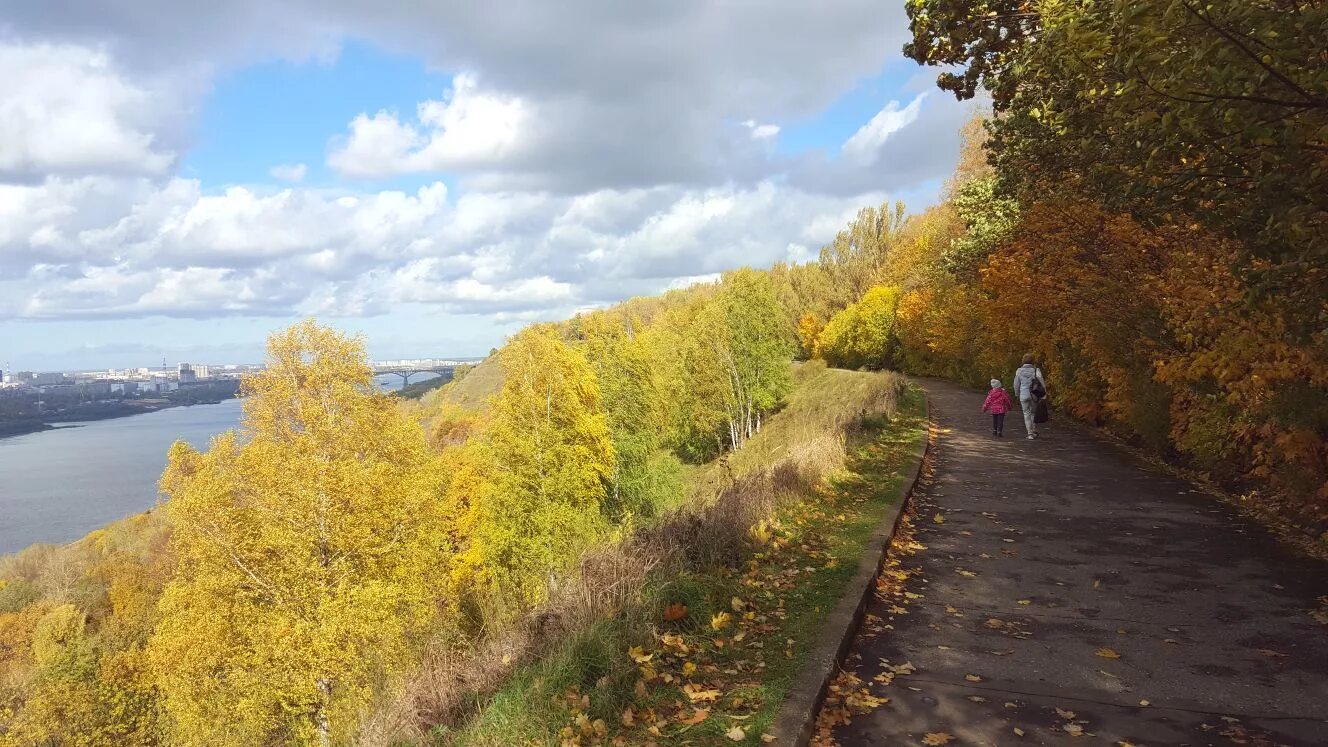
[[431, 177]]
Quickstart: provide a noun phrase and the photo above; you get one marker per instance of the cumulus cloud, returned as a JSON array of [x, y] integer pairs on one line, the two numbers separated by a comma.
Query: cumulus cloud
[[66, 109], [636, 97], [467, 129], [594, 154], [98, 247], [866, 143], [289, 172], [761, 131]]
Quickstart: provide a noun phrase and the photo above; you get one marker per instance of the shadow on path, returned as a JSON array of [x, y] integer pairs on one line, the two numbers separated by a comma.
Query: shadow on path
[[1068, 590]]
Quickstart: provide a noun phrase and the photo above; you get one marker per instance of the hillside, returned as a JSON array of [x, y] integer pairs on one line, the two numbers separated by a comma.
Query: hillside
[[806, 490]]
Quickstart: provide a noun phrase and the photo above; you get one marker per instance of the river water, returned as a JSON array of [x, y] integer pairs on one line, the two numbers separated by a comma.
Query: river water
[[58, 485]]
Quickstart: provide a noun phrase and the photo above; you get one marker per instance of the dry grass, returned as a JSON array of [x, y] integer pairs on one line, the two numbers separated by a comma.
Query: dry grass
[[796, 450]]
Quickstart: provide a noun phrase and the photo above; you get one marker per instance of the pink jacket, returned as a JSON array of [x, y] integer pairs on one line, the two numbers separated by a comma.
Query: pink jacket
[[998, 401]]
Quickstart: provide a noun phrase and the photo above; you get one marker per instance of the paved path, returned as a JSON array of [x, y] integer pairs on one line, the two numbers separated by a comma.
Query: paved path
[[1211, 622]]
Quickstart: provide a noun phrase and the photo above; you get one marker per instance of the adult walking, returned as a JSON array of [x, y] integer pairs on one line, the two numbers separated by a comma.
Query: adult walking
[[1032, 387]]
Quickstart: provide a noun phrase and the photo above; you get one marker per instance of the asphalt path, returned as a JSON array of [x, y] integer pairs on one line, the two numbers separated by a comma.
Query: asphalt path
[[1060, 592]]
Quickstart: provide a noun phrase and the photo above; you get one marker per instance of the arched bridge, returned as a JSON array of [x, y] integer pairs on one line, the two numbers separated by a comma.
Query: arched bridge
[[408, 368]]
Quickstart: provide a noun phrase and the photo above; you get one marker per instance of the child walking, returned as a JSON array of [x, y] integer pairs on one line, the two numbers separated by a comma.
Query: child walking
[[997, 403]]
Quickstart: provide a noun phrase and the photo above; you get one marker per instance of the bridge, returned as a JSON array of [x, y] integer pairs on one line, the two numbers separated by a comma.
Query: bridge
[[408, 368]]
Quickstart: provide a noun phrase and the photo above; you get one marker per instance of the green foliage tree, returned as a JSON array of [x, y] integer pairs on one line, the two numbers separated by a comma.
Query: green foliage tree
[[552, 465], [989, 220], [755, 350], [983, 39], [633, 410], [303, 551]]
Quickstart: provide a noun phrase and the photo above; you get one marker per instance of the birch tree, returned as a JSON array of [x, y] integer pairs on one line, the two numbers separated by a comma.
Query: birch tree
[[304, 548]]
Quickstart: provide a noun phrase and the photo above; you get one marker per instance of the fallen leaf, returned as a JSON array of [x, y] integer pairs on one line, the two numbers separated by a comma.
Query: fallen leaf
[[675, 612], [1024, 601], [1107, 653], [939, 519], [1067, 715], [699, 693], [628, 717], [1018, 732], [937, 737], [639, 656], [768, 738], [1074, 730], [700, 715], [1271, 653], [736, 734], [965, 573], [1144, 703], [972, 678], [720, 620], [688, 669]]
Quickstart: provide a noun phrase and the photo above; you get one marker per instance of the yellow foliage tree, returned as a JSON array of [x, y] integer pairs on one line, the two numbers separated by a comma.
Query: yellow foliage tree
[[862, 335], [304, 550], [538, 480]]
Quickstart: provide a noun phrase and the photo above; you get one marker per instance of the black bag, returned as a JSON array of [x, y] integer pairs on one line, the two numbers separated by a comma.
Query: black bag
[[1043, 412], [1035, 387]]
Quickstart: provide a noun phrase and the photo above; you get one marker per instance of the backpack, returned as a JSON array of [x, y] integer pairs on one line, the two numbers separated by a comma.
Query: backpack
[[1035, 387]]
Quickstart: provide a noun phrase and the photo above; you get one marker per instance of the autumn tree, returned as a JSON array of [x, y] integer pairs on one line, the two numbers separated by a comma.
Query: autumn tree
[[633, 409], [755, 348], [544, 468], [685, 345], [1217, 111], [862, 335], [303, 547], [854, 260]]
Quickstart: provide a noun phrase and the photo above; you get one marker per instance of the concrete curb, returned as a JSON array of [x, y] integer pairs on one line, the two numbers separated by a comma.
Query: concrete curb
[[795, 722]]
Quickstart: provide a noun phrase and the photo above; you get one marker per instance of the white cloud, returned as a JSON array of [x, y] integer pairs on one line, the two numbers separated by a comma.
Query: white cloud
[[597, 155], [866, 143], [102, 247], [690, 280], [289, 172], [761, 131], [467, 129], [66, 109]]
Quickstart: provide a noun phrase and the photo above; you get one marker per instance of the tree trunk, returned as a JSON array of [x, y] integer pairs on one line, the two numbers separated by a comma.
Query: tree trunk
[[320, 717]]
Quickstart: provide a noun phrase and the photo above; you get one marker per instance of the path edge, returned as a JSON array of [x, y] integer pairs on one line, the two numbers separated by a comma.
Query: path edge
[[795, 721]]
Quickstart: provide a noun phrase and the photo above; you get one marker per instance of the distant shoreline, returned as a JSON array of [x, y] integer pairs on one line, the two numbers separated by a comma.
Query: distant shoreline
[[100, 411]]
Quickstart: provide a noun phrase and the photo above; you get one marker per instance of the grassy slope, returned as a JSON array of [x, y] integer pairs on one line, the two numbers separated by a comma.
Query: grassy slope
[[590, 688]]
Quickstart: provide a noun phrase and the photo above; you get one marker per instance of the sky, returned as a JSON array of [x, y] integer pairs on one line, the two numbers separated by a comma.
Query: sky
[[177, 180]]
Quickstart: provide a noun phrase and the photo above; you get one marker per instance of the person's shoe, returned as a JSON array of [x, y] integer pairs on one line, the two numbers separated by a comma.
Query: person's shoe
[[994, 433], [1031, 437], [1000, 434]]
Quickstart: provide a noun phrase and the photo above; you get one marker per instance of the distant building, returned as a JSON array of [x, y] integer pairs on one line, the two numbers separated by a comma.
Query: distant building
[[201, 371], [49, 379], [185, 374], [95, 389]]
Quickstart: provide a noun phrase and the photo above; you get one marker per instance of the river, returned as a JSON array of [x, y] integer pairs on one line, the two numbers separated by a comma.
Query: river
[[58, 485]]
